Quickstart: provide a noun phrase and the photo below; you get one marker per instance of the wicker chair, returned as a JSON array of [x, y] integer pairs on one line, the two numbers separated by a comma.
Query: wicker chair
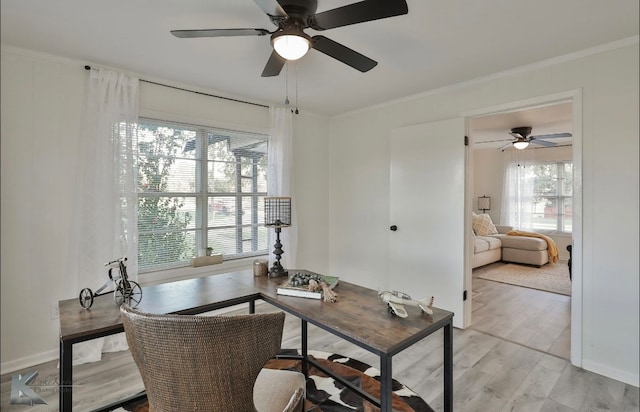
[[211, 363]]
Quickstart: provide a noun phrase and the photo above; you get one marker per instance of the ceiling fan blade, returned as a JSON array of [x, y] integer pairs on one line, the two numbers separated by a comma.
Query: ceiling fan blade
[[187, 34], [517, 135], [552, 136], [360, 12], [493, 141], [274, 65], [342, 53], [542, 142], [505, 146], [271, 8]]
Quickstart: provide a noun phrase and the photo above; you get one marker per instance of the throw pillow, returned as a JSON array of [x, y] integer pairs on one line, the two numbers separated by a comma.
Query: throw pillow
[[483, 225]]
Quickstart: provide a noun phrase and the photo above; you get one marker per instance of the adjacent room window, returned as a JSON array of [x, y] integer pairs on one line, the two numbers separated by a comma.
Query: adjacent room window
[[199, 188], [538, 197], [553, 189]]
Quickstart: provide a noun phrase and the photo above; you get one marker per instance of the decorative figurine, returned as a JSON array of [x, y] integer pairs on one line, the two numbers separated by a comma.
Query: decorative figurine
[[396, 300], [126, 290], [315, 282]]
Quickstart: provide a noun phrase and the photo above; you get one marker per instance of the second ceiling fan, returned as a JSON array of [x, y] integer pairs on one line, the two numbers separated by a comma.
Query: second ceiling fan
[[291, 17], [523, 138]]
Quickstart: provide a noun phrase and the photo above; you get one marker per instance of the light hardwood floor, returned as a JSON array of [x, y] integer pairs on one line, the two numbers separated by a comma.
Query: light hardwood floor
[[533, 318], [512, 358]]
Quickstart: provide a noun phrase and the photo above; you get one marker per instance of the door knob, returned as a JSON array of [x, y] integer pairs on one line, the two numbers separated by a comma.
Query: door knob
[[393, 228]]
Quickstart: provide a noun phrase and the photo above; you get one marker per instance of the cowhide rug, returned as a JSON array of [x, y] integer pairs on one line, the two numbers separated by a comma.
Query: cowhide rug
[[326, 395]]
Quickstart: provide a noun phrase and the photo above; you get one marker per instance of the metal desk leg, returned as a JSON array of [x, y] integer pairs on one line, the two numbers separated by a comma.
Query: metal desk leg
[[305, 364], [448, 367], [386, 384], [66, 378], [252, 307]]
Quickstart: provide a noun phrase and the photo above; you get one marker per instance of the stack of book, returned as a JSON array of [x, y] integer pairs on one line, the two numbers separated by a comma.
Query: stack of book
[[303, 291]]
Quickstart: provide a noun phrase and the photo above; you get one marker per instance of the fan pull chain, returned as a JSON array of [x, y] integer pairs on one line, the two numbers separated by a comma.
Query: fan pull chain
[[286, 83], [296, 112]]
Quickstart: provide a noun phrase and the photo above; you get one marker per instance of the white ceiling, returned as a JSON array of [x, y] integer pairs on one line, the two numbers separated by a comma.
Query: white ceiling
[[438, 43]]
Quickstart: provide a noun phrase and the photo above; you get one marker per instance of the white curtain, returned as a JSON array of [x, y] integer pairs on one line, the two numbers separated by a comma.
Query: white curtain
[[280, 175], [106, 204], [517, 199]]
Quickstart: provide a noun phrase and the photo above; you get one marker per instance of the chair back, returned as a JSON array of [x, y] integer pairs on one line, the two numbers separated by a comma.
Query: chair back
[[207, 363]]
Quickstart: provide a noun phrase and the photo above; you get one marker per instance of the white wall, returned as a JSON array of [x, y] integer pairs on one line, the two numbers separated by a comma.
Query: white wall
[[488, 177], [41, 102], [311, 180], [359, 206]]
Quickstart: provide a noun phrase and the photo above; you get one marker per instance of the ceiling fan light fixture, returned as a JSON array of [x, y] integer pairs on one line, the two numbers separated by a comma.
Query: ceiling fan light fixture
[[520, 144], [291, 46]]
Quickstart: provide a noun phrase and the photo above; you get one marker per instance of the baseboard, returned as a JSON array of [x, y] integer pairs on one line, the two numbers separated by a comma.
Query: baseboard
[[613, 373], [29, 361]]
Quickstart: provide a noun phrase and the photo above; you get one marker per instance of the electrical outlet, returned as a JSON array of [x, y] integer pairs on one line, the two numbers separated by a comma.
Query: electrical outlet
[[53, 311]]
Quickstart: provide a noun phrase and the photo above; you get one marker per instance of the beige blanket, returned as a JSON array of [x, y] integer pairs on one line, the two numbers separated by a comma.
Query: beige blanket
[[552, 249]]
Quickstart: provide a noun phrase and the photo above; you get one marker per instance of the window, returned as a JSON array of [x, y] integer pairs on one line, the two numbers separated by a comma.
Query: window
[[538, 197], [552, 196], [199, 187]]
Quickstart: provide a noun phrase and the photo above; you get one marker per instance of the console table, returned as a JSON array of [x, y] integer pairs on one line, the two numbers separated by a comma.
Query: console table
[[359, 317]]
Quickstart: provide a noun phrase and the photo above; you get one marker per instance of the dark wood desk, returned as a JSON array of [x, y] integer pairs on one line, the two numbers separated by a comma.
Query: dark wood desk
[[103, 318], [358, 317]]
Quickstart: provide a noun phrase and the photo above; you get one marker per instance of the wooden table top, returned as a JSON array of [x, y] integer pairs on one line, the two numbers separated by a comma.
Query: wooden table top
[[189, 296], [359, 316]]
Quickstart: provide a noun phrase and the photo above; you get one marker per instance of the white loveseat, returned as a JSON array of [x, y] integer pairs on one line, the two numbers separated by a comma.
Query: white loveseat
[[492, 244], [488, 249]]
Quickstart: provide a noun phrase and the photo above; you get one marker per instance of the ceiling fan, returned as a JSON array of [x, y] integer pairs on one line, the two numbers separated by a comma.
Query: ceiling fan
[[523, 138], [291, 17]]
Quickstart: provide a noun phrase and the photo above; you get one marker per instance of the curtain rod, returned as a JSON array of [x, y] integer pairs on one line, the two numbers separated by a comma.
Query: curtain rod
[[87, 67]]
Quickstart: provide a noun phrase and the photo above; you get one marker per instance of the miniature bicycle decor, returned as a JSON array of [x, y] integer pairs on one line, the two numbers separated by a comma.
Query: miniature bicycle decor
[[126, 290]]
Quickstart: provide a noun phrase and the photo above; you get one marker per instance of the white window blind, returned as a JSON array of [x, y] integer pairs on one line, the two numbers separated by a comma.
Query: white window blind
[[199, 187]]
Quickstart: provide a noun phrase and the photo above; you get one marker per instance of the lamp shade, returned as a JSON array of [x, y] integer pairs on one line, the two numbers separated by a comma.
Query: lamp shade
[[277, 211], [290, 46], [520, 144], [484, 203]]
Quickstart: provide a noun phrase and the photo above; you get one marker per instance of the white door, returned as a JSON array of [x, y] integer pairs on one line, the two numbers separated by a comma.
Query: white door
[[427, 252]]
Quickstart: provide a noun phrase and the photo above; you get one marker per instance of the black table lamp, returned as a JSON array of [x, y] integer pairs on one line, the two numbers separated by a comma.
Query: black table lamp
[[277, 214]]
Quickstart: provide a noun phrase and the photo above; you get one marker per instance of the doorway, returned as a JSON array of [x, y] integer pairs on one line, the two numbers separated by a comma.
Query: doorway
[[539, 323]]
